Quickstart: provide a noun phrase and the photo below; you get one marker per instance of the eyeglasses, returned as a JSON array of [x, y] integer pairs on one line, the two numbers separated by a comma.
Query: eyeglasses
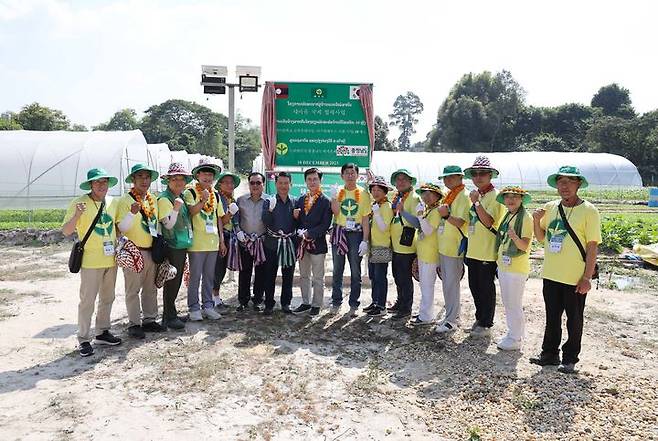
[[255, 183]]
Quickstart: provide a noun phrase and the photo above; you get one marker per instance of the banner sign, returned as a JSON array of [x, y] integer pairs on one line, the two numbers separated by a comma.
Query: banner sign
[[320, 125]]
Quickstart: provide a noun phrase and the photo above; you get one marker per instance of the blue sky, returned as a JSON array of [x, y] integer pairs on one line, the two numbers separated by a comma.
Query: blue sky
[[92, 58]]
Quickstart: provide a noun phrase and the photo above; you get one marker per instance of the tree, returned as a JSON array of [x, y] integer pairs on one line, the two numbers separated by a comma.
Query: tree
[[479, 114], [78, 128], [184, 125], [125, 119], [404, 116], [614, 100], [37, 117], [544, 142], [381, 136], [8, 121], [247, 144]]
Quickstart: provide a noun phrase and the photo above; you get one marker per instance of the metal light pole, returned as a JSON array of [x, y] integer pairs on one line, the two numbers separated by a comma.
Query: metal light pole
[[231, 128]]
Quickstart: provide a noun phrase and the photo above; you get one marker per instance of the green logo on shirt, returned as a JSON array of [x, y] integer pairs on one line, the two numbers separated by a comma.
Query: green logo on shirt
[[104, 225], [349, 207], [556, 228]]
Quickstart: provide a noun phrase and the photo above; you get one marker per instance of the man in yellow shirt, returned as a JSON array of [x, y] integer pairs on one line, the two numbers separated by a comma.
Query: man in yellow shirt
[[403, 240], [98, 273], [137, 219], [567, 271], [484, 217], [451, 236], [351, 207]]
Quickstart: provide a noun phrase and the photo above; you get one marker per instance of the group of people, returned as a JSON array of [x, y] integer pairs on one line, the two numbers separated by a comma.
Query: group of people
[[424, 231]]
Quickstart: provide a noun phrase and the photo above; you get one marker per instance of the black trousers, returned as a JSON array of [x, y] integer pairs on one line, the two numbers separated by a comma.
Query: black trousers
[[271, 269], [481, 277], [220, 264], [171, 287], [558, 298], [401, 266], [244, 279]]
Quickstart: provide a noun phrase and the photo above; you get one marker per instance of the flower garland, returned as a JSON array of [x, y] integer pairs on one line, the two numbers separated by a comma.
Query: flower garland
[[357, 195], [209, 206], [310, 200], [397, 199], [228, 196], [429, 208], [148, 211]]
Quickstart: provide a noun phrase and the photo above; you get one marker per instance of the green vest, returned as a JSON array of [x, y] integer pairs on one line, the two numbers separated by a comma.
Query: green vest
[[179, 237]]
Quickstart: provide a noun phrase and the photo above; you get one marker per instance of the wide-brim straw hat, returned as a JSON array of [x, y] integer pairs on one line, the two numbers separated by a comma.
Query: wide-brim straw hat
[[205, 163], [514, 189], [430, 187], [567, 170], [177, 169], [95, 174], [379, 181], [481, 163], [141, 167]]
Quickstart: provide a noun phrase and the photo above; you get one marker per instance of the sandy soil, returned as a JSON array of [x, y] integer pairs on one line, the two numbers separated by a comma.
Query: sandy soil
[[329, 378]]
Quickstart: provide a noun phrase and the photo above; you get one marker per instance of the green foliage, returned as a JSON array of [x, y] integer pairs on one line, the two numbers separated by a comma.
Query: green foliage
[[618, 232], [37, 117], [41, 219], [8, 122], [247, 144], [404, 116], [125, 119], [614, 100], [381, 136]]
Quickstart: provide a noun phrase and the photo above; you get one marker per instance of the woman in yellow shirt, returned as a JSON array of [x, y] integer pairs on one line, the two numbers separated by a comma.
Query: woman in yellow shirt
[[427, 250], [380, 245], [513, 249]]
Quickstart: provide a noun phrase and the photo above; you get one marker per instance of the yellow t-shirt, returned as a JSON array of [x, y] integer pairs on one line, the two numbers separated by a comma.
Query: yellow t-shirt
[[379, 238], [427, 247], [351, 209], [448, 235], [521, 263], [564, 263], [396, 227], [104, 232], [204, 225], [481, 241], [141, 231]]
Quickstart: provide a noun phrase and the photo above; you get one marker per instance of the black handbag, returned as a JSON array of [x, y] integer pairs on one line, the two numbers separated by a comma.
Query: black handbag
[[572, 233], [75, 258]]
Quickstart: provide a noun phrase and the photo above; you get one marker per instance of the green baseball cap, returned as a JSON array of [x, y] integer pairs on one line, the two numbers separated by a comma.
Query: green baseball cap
[[141, 167], [95, 174], [450, 170], [567, 170], [402, 171]]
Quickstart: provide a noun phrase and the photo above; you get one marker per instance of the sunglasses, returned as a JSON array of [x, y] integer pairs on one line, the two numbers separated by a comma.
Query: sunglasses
[[255, 183]]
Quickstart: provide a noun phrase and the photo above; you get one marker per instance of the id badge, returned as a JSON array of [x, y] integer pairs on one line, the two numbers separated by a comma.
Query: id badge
[[507, 260], [210, 228], [471, 229], [108, 248], [441, 229], [555, 245], [153, 229], [350, 224]]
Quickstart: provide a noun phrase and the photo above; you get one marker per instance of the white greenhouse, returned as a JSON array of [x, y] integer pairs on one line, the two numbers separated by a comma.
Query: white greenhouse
[[44, 169]]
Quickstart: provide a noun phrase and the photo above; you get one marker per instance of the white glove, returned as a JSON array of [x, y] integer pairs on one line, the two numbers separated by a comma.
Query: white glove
[[334, 191], [233, 208], [363, 248], [272, 202], [375, 208], [420, 207], [241, 236], [301, 232]]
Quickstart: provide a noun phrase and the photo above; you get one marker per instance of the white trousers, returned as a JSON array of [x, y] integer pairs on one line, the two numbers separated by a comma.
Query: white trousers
[[512, 286], [427, 275]]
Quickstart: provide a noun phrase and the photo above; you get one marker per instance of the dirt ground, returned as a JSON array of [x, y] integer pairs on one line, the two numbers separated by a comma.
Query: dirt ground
[[333, 377]]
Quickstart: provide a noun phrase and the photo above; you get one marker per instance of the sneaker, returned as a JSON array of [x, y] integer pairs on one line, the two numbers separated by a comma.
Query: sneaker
[[257, 307], [106, 338], [377, 310], [393, 308], [136, 331], [474, 326], [219, 304], [567, 368], [286, 309], [401, 315], [354, 311], [315, 310], [153, 327], [210, 314], [481, 331], [418, 322], [173, 323], [241, 308], [85, 349], [445, 328], [509, 344], [196, 316], [268, 311], [369, 307], [545, 360], [302, 308], [335, 308]]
